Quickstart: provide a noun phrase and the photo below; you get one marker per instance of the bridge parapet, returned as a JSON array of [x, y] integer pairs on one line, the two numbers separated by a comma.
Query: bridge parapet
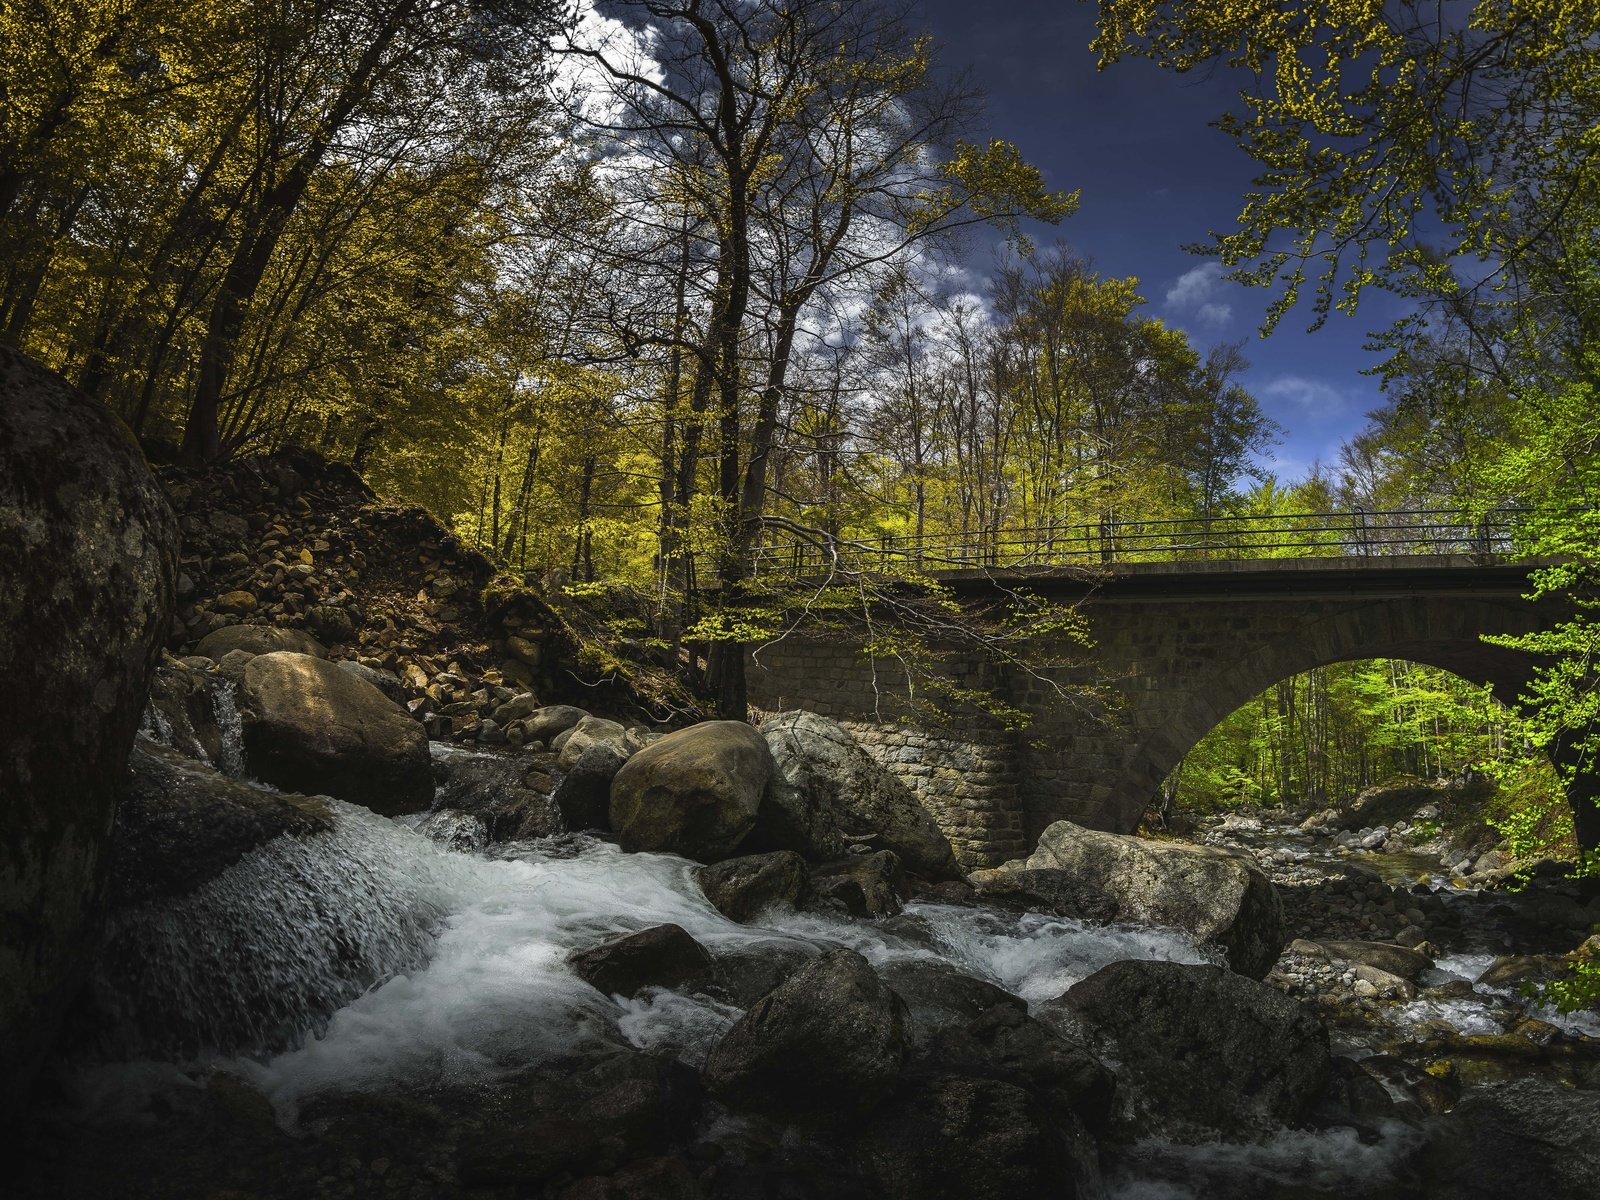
[[1354, 533]]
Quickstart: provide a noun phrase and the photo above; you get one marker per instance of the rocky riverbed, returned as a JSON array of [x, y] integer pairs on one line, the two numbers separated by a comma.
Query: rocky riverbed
[[802, 997]]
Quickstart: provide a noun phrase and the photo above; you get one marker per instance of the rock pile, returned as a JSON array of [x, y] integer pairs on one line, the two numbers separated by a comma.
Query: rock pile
[[303, 554]]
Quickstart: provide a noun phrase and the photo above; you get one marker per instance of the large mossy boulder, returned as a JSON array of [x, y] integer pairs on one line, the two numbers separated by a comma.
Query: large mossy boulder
[[827, 1044], [829, 795], [310, 727], [1198, 1050], [89, 547], [181, 824], [695, 792], [1218, 897]]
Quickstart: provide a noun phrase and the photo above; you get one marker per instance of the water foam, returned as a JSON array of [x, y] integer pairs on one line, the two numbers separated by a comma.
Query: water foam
[[374, 956]]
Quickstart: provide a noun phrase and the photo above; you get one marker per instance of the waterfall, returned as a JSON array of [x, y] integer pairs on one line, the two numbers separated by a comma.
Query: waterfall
[[230, 760]]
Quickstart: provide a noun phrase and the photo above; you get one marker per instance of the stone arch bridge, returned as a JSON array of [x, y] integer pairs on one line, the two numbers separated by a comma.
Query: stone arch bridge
[[1180, 645]]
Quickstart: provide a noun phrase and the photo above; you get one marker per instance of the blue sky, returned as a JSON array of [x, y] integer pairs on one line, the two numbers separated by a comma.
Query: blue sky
[[1155, 177]]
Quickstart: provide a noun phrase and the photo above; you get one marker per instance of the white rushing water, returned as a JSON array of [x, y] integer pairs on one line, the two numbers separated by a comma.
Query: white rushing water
[[436, 964], [1317, 1162]]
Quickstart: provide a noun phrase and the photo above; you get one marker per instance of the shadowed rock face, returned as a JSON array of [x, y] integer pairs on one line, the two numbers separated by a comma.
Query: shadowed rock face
[[88, 549]]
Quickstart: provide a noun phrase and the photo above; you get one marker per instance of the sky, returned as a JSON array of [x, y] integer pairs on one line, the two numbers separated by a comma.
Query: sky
[[1155, 177]]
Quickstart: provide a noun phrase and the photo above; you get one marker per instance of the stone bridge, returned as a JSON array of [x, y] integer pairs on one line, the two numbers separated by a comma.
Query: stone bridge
[[1178, 646]]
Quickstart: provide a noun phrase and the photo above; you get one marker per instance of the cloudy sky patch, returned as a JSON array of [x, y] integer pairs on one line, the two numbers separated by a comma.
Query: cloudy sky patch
[[1197, 296]]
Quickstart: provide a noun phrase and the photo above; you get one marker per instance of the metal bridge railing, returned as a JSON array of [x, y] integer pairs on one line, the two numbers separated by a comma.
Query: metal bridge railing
[[1356, 532]]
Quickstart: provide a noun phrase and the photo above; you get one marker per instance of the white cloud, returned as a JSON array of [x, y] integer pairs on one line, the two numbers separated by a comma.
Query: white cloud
[[1196, 295], [1195, 286], [1311, 394]]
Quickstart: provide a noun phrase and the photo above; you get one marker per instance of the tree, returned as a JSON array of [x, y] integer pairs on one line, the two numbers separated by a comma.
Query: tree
[[805, 143], [1444, 151]]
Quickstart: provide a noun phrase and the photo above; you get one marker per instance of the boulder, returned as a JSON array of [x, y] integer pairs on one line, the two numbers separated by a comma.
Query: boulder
[[180, 823], [584, 1116], [694, 792], [550, 722], [1217, 896], [966, 1138], [743, 888], [864, 885], [386, 682], [1004, 1042], [1525, 1137], [1509, 971], [829, 795], [518, 708], [826, 1044], [310, 727], [661, 956], [503, 789], [584, 794], [1394, 800], [937, 996], [258, 639], [1395, 960], [745, 972], [1199, 1050], [590, 731], [90, 552]]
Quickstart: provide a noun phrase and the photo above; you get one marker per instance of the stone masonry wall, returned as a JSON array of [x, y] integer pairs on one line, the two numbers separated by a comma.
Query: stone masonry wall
[[965, 776]]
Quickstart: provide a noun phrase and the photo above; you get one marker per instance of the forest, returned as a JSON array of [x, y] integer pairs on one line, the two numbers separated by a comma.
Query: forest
[[638, 293]]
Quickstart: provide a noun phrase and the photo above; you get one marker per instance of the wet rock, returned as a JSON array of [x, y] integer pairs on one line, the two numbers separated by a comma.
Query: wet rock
[[505, 790], [867, 885], [581, 1118], [1525, 1137], [584, 794], [258, 639], [742, 888], [694, 792], [1221, 898], [965, 1138], [661, 956], [828, 795], [1004, 1042], [827, 1044], [180, 710], [180, 824], [939, 997], [1198, 1048], [1512, 971], [90, 551], [308, 726], [744, 973]]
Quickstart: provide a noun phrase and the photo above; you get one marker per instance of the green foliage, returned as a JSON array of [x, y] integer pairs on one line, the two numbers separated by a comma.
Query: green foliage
[[1320, 738]]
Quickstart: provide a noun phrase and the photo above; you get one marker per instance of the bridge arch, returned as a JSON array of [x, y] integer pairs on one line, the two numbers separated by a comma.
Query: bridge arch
[[1447, 635], [1182, 645]]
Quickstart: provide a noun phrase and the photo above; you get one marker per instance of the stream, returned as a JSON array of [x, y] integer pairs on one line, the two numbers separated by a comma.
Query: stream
[[400, 956]]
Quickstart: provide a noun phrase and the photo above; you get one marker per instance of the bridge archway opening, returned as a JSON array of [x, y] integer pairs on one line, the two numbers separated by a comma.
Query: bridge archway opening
[[1317, 738]]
